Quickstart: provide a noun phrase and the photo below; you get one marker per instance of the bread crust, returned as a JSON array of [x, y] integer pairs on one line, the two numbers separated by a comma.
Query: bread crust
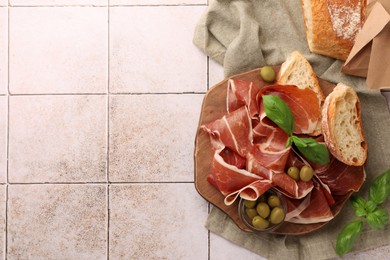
[[328, 117], [332, 25]]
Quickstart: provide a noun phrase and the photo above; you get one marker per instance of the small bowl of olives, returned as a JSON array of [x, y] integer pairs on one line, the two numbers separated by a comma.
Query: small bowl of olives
[[265, 214]]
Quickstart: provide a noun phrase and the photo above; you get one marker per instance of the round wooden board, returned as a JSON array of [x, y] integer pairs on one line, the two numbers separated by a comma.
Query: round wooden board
[[214, 107]]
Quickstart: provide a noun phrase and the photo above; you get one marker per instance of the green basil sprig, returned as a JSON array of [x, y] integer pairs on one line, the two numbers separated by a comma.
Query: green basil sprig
[[279, 112], [368, 210]]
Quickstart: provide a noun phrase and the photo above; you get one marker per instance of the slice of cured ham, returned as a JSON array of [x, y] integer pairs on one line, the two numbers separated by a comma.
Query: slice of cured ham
[[341, 178], [303, 103], [317, 211], [233, 130], [233, 182], [242, 93]]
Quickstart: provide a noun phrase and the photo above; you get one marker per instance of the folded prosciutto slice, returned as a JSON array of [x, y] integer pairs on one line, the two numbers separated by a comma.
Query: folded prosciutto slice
[[233, 182], [303, 103], [317, 211], [341, 178], [233, 130], [242, 93]]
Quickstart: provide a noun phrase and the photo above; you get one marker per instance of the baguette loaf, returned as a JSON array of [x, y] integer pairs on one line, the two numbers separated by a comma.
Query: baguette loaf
[[296, 70], [332, 25], [342, 126]]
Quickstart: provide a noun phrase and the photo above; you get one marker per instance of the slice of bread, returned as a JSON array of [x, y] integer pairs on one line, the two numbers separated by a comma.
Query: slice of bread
[[342, 126], [296, 70]]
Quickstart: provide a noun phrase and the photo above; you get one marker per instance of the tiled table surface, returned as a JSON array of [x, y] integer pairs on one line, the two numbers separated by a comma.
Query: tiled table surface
[[99, 103]]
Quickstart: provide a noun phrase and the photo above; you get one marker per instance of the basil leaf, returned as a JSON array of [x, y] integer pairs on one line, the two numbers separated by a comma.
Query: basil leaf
[[312, 150], [347, 237], [279, 112], [380, 188], [378, 218], [370, 206], [289, 141], [359, 204]]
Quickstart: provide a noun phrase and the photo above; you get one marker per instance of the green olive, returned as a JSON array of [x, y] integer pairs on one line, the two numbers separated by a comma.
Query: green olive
[[267, 73], [277, 215], [306, 173], [293, 172], [263, 209], [274, 201], [259, 222], [250, 204], [251, 213]]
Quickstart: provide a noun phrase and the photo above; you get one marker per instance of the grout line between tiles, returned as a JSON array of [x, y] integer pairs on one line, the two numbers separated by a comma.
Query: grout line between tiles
[[108, 132], [104, 94], [5, 254], [119, 5], [102, 183]]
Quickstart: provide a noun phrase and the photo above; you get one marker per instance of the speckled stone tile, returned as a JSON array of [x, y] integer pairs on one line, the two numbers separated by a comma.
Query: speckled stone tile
[[3, 138], [58, 2], [157, 221], [58, 138], [161, 58], [47, 221], [3, 50], [2, 220], [69, 56], [157, 2], [152, 137], [221, 248], [215, 73]]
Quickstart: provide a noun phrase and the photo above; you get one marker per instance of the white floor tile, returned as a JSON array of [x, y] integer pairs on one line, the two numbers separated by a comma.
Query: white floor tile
[[3, 138], [221, 248], [157, 2], [155, 55], [58, 50], [152, 137], [3, 50], [57, 222], [157, 221], [58, 2], [57, 138]]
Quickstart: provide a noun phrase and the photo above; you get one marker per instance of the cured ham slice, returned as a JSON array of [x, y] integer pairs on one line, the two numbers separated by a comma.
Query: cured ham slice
[[233, 158], [303, 103], [317, 211], [242, 93], [341, 178], [233, 182], [296, 206], [281, 180], [251, 192], [233, 130]]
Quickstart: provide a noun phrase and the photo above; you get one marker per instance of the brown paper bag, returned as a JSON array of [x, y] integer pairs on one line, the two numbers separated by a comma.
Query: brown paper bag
[[370, 56]]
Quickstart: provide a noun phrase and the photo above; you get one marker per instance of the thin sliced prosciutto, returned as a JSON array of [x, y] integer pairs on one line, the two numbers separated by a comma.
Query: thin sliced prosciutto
[[317, 211], [233, 182], [233, 130], [341, 178], [303, 103], [281, 180], [242, 93]]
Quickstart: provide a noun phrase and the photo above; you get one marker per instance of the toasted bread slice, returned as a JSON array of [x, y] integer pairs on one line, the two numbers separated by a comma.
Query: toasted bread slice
[[342, 126], [296, 70]]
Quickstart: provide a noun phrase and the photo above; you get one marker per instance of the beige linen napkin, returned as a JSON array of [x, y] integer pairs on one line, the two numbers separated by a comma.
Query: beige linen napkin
[[246, 34]]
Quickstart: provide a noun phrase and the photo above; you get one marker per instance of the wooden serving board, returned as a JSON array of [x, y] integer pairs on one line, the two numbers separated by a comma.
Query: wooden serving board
[[214, 107]]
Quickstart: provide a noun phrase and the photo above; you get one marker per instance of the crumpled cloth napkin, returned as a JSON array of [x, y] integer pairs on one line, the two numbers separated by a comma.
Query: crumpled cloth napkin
[[247, 34]]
